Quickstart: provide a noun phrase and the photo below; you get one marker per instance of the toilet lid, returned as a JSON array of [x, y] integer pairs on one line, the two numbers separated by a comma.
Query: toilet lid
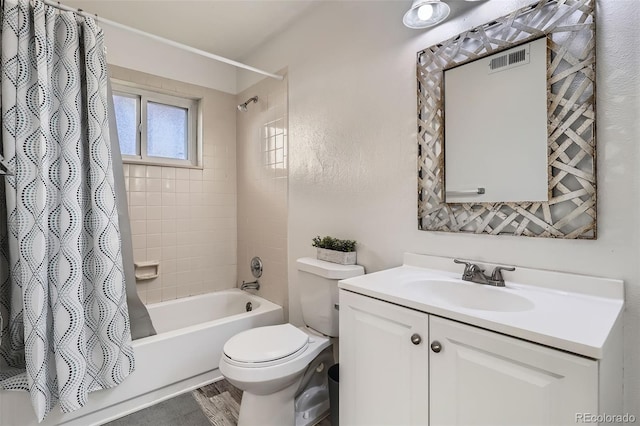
[[264, 344]]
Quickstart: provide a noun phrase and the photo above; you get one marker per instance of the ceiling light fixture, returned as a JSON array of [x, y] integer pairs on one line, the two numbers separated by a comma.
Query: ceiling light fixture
[[426, 13]]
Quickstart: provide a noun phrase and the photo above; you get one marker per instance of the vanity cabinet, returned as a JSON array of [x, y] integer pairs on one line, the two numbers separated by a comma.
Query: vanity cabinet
[[479, 377], [400, 366], [384, 369]]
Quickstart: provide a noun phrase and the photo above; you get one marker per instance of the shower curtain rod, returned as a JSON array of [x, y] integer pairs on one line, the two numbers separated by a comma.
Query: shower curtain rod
[[165, 40]]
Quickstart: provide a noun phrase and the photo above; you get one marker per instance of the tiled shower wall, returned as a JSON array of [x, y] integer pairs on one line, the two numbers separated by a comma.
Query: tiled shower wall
[[262, 163], [186, 218]]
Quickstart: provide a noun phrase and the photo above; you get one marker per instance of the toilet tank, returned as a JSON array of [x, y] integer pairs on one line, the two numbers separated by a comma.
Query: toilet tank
[[318, 286]]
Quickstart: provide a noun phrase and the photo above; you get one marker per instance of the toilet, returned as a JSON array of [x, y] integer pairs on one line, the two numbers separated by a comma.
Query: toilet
[[282, 369]]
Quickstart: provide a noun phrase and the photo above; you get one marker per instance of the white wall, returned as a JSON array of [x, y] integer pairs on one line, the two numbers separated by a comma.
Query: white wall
[[140, 53], [352, 122]]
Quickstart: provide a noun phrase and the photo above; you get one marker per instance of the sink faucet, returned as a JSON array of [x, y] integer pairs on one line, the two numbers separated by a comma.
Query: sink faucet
[[253, 285], [475, 274]]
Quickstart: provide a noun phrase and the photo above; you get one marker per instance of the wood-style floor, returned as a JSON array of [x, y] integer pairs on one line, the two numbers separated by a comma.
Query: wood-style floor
[[217, 404], [220, 402]]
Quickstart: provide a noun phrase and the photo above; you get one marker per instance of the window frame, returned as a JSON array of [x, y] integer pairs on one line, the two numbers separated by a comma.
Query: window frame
[[143, 96]]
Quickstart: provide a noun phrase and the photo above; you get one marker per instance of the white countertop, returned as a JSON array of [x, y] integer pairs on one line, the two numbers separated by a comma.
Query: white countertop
[[570, 312]]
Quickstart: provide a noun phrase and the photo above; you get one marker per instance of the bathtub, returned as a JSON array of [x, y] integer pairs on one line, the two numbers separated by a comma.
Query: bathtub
[[183, 356]]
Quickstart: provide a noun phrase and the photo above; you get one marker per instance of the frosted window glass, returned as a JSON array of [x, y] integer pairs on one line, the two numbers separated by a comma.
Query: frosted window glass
[[167, 134], [126, 114]]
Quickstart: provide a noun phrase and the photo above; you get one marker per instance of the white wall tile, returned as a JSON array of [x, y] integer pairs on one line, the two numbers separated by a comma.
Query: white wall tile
[[183, 223], [168, 185], [153, 198], [137, 199], [168, 199], [169, 279], [154, 296], [154, 226], [168, 212], [139, 254], [172, 218], [183, 199], [154, 172], [168, 267], [168, 239], [168, 252], [154, 185], [154, 253], [138, 227], [195, 186], [182, 185], [168, 226], [153, 213], [154, 240], [261, 201], [182, 173], [137, 184], [195, 174], [137, 171], [154, 284], [138, 213], [169, 173], [139, 241]]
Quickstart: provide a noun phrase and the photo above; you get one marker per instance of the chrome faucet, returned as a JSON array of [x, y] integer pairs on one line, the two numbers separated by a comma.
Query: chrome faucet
[[253, 285], [475, 274]]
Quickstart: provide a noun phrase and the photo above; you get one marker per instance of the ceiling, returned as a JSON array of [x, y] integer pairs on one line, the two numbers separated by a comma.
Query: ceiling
[[229, 28]]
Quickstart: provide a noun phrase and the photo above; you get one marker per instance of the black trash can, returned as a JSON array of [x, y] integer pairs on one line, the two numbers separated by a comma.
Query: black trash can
[[334, 393]]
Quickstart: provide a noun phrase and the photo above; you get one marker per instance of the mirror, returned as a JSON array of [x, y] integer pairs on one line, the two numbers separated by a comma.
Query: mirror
[[506, 126], [495, 120]]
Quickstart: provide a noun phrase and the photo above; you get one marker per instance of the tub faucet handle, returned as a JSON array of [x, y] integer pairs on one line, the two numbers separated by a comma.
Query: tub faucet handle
[[253, 285]]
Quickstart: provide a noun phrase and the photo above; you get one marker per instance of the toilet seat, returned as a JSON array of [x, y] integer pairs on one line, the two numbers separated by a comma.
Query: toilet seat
[[265, 346]]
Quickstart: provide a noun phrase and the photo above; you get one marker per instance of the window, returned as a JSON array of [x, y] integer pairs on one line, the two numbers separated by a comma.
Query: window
[[156, 128]]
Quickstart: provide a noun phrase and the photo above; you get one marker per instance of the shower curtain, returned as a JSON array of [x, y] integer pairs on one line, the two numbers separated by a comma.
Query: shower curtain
[[66, 328]]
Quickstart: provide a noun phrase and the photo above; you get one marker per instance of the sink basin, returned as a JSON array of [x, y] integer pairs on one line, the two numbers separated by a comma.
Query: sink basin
[[468, 295]]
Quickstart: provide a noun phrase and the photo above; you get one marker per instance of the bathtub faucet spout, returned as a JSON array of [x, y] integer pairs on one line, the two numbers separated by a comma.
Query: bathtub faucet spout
[[253, 285]]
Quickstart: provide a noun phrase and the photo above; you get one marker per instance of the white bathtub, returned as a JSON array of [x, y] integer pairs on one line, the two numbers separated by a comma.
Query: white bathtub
[[183, 356]]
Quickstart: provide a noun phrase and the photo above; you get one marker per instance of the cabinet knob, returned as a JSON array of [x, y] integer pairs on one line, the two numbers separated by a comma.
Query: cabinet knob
[[436, 346], [416, 339]]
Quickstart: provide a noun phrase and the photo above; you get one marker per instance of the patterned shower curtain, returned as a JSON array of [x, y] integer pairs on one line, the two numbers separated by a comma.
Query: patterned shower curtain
[[65, 325]]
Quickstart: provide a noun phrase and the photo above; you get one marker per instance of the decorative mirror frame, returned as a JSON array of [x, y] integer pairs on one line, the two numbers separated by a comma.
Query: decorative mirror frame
[[569, 27]]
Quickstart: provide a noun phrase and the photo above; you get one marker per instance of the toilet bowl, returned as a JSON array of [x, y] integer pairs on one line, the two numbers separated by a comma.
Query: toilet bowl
[[282, 369], [269, 364]]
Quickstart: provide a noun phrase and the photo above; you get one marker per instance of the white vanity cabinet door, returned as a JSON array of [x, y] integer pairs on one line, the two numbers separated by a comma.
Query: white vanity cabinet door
[[384, 371], [484, 378]]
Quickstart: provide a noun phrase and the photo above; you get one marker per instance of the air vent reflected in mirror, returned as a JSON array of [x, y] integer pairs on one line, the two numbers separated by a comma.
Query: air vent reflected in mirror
[[513, 58]]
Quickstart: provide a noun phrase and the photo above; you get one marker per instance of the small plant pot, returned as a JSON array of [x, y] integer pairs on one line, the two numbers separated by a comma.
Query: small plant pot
[[341, 257]]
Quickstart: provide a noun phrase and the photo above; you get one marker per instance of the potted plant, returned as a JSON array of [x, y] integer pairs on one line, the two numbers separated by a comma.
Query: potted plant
[[335, 250]]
